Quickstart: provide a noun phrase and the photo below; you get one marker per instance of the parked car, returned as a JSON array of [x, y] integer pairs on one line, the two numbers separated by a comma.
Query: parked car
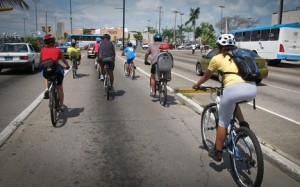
[[19, 55], [90, 50], [185, 46], [145, 46], [64, 47], [202, 64]]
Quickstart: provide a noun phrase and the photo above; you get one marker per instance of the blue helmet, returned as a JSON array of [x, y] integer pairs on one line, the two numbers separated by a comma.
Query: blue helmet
[[98, 39], [157, 37]]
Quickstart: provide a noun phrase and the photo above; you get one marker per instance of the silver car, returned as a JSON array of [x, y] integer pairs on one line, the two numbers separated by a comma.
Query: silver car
[[19, 55]]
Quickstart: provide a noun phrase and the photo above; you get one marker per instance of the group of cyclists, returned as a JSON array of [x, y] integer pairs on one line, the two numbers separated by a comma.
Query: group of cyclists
[[235, 88]]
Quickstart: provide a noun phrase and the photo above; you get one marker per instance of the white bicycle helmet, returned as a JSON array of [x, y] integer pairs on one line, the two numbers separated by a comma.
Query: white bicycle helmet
[[226, 39]]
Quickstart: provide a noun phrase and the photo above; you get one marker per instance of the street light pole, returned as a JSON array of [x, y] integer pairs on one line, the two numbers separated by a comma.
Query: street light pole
[[148, 31], [222, 6], [181, 26], [175, 11], [123, 23], [71, 15]]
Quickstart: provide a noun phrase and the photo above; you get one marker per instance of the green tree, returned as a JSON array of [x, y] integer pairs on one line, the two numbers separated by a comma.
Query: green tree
[[34, 41], [138, 36], [188, 30], [65, 35], [87, 31], [167, 34], [194, 15], [207, 33], [11, 3]]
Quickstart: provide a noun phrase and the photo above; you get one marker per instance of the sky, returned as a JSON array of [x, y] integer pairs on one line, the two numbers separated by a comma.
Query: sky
[[138, 13]]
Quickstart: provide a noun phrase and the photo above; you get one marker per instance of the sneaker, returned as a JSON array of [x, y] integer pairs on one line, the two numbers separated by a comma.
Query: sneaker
[[216, 155], [134, 66], [46, 94], [244, 124], [101, 78]]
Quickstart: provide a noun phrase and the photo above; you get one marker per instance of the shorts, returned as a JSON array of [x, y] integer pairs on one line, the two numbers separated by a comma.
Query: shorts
[[231, 95], [60, 73], [128, 61], [153, 68], [111, 64]]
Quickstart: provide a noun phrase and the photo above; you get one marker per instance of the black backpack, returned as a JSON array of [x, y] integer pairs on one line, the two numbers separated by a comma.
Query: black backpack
[[247, 66]]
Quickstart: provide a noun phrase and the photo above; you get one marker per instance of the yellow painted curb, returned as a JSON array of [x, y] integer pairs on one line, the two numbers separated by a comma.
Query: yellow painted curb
[[191, 91]]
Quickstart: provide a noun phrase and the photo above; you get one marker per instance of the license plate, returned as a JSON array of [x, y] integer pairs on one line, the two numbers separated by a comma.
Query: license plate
[[8, 58]]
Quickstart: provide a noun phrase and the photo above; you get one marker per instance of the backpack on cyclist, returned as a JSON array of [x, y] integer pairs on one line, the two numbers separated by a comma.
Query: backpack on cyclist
[[49, 68], [164, 65], [165, 61], [247, 67]]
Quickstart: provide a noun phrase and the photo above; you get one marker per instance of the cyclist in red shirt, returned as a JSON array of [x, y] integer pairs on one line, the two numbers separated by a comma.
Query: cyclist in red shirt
[[52, 52]]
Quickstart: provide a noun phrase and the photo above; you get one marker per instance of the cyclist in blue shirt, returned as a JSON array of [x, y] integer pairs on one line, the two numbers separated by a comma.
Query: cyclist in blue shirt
[[130, 55]]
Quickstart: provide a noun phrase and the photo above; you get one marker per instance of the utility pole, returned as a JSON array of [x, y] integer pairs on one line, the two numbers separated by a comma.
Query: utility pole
[[175, 11], [181, 14], [24, 27], [222, 6], [71, 15], [46, 24], [280, 12], [159, 20], [36, 27], [148, 31]]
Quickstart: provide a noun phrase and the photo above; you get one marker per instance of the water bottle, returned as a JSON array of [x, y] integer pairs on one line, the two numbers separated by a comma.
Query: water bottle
[[218, 99]]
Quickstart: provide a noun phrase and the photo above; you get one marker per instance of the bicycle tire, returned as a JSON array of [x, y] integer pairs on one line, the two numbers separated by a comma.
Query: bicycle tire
[[132, 71], [209, 125], [247, 159], [53, 106], [107, 85], [162, 92], [74, 69], [125, 71]]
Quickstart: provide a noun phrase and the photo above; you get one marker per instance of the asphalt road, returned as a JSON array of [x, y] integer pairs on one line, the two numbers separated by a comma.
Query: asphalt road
[[130, 140]]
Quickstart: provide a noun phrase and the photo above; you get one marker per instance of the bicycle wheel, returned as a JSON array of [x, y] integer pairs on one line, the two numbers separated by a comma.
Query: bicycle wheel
[[53, 104], [247, 159], [126, 73], [209, 125], [162, 92], [132, 71], [107, 85], [74, 69]]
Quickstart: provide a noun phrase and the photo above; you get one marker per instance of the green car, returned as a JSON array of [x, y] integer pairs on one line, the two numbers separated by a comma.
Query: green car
[[202, 64]]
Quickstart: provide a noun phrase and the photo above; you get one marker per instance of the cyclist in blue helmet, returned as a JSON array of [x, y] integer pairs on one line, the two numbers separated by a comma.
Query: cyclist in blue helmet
[[154, 51]]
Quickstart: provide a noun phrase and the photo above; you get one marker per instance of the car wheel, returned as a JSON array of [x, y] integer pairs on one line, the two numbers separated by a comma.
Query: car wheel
[[32, 67], [199, 71], [0, 70], [258, 81]]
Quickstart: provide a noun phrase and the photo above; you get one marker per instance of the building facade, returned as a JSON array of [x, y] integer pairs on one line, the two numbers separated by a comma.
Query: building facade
[[289, 16]]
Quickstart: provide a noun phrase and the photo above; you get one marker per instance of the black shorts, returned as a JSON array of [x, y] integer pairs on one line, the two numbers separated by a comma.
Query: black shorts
[[110, 63], [153, 68]]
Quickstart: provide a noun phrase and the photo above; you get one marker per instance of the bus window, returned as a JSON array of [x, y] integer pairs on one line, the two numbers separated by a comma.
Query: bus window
[[246, 35], [274, 34], [238, 36], [265, 35], [255, 35]]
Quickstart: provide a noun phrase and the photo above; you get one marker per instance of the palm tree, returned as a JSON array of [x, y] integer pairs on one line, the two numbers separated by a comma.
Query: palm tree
[[194, 15], [10, 3]]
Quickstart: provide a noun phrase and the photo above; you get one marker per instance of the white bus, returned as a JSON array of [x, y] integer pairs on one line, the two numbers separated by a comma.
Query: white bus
[[274, 43], [82, 39]]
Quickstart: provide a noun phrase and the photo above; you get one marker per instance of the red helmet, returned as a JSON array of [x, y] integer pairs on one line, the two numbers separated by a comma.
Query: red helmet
[[48, 39], [164, 46]]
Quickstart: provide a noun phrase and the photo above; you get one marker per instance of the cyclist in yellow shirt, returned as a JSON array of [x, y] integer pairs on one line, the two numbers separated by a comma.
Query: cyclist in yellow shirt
[[74, 53]]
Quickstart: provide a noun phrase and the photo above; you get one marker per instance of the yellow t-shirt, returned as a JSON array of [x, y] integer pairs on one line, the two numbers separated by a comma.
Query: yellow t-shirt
[[71, 49], [224, 64]]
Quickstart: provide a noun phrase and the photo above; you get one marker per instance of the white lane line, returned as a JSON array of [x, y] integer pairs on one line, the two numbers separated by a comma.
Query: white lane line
[[14, 124]]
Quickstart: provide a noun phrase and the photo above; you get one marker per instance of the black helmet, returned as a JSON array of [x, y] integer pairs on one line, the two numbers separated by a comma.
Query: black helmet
[[157, 37], [129, 44], [107, 36], [49, 39], [73, 43]]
